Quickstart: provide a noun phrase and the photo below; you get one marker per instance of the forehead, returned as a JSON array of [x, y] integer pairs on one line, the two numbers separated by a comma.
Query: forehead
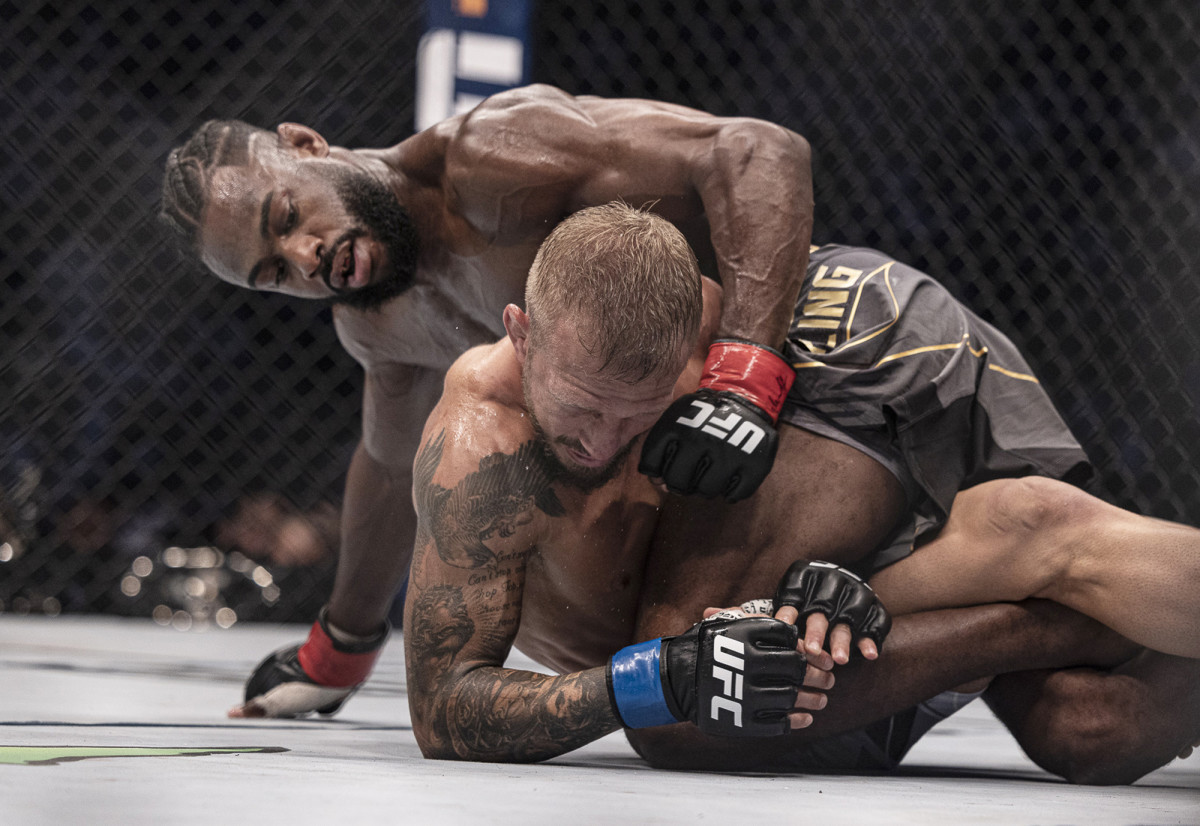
[[230, 238], [573, 376]]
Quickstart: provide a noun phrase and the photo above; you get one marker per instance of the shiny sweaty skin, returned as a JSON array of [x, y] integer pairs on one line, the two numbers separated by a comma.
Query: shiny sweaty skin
[[511, 552], [484, 189]]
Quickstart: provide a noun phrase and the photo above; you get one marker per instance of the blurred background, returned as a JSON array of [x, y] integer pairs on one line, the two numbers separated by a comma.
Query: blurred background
[[174, 447]]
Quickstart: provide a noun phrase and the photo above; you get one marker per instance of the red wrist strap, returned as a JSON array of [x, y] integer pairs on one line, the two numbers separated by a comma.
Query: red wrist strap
[[329, 667], [756, 373]]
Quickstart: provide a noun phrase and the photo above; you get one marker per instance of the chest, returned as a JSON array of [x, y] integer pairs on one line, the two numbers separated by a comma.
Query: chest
[[456, 304]]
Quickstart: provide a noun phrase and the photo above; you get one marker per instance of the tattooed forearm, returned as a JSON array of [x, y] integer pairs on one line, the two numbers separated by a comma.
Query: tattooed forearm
[[491, 502], [462, 622], [497, 714], [439, 629]]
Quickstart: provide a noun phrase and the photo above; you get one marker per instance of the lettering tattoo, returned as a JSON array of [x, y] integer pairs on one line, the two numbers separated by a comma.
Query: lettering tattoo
[[492, 501]]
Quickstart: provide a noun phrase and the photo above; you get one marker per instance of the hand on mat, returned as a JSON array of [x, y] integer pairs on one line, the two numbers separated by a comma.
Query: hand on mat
[[318, 676]]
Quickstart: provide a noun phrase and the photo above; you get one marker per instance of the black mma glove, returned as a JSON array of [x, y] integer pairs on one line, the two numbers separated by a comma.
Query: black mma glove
[[733, 677], [824, 588], [318, 676], [721, 440]]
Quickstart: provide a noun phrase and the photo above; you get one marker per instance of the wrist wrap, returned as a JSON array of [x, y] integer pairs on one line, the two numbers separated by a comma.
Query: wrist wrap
[[756, 373], [335, 664], [635, 686]]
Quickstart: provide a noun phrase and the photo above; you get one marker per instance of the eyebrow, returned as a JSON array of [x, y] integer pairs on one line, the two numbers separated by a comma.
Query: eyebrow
[[263, 228]]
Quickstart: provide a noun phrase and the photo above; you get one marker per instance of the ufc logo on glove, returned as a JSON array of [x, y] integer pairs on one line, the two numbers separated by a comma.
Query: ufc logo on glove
[[731, 655], [721, 439], [746, 437], [731, 677]]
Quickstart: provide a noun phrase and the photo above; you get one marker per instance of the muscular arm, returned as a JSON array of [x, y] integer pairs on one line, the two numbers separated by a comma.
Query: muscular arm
[[474, 539], [378, 522], [742, 187]]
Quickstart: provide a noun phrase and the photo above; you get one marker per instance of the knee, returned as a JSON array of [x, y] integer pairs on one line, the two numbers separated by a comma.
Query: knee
[[1035, 517], [1034, 505], [1089, 739]]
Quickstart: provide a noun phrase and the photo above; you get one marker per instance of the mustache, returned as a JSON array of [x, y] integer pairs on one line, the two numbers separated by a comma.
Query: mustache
[[325, 270], [573, 444]]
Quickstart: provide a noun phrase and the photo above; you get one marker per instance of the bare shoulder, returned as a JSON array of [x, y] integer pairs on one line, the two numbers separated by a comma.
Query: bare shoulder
[[481, 489], [430, 154], [480, 414], [551, 116]]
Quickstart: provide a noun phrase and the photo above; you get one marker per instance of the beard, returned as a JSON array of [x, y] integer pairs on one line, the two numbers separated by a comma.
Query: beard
[[585, 479], [379, 213]]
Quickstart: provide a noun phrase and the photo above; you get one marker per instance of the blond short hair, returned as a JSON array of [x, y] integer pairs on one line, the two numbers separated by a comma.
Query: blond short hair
[[629, 283]]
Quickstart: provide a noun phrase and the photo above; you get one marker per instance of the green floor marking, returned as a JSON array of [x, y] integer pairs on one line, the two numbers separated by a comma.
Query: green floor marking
[[52, 755]]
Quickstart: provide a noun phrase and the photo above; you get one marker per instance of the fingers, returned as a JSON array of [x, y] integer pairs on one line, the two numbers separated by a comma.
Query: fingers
[[820, 678], [814, 633], [788, 614], [839, 643], [810, 701], [800, 720], [816, 628], [247, 711], [868, 649], [821, 661]]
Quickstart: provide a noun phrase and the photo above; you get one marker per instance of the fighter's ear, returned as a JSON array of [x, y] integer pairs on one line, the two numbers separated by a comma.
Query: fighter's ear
[[516, 323], [304, 140]]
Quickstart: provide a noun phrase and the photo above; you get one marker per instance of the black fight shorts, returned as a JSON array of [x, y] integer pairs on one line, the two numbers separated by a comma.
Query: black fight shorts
[[888, 362]]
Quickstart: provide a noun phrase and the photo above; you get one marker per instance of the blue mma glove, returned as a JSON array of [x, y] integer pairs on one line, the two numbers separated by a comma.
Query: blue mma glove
[[731, 677]]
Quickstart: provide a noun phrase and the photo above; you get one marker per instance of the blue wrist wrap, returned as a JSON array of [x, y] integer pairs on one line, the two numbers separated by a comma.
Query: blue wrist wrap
[[637, 686]]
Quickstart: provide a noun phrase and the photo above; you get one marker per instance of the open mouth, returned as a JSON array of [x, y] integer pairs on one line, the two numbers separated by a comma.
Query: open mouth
[[350, 267], [341, 272]]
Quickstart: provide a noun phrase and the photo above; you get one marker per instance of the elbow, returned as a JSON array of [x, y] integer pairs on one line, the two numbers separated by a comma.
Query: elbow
[[438, 740], [746, 140], [432, 746], [444, 747]]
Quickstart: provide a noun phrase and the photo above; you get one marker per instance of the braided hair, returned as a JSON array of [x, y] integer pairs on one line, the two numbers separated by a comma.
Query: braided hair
[[189, 171]]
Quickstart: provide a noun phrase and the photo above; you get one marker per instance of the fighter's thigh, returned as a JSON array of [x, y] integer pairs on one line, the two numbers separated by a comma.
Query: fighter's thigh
[[823, 500]]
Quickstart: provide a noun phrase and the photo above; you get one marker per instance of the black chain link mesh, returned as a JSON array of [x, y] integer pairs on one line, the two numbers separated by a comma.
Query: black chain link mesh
[[1042, 159]]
